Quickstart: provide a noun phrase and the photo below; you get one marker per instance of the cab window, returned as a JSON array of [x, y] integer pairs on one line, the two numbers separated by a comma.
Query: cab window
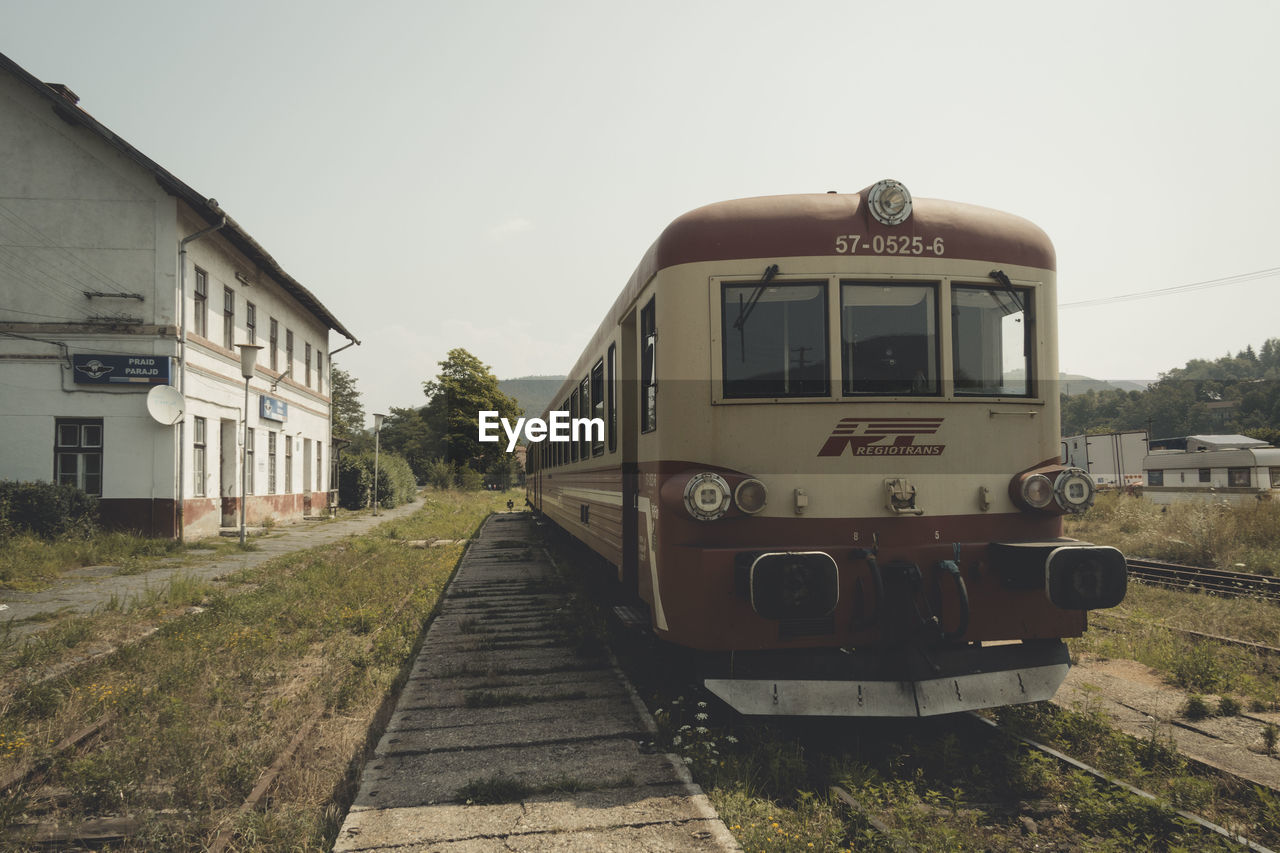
[[775, 340], [991, 340], [889, 339]]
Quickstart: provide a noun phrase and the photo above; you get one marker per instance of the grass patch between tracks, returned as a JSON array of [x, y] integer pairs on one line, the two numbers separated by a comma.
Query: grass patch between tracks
[[204, 705]]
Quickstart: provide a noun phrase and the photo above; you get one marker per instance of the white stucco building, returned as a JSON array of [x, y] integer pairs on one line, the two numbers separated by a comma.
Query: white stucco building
[[116, 276]]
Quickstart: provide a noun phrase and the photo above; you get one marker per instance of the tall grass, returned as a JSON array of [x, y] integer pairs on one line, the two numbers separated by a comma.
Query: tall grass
[[1198, 534], [204, 705], [28, 562]]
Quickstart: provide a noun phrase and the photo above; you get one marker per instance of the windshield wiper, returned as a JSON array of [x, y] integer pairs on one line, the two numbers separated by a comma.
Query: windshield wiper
[[999, 275], [745, 308]]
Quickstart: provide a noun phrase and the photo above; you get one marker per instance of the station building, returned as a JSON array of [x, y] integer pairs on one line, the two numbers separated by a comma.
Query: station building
[[117, 277]]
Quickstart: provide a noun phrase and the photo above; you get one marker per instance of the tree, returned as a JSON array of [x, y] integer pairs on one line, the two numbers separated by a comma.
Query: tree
[[348, 413], [405, 431], [464, 388]]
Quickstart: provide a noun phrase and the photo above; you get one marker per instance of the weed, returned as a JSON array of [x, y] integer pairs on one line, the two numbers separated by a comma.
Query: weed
[[493, 790], [1270, 733], [1195, 708]]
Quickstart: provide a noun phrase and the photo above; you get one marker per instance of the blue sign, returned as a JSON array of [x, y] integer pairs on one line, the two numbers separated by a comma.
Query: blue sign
[[120, 369], [273, 409]]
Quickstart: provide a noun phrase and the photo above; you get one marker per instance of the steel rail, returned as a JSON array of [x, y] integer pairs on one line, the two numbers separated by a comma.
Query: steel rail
[[1216, 581], [1063, 758]]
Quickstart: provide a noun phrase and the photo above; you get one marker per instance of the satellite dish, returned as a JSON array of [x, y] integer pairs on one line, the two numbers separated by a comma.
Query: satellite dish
[[166, 404]]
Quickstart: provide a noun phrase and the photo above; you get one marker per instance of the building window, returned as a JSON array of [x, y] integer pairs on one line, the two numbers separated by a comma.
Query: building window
[[248, 461], [271, 463], [78, 454], [648, 367], [202, 303], [199, 458], [288, 353], [319, 466], [228, 317], [319, 371], [251, 322], [1155, 478], [1239, 477], [306, 350], [1204, 475], [288, 465], [275, 345]]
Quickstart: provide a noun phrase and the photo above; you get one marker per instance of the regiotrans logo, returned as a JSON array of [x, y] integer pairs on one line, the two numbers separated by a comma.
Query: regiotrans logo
[[558, 427]]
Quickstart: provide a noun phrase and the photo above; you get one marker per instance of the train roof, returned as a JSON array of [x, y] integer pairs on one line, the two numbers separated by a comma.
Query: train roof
[[801, 225]]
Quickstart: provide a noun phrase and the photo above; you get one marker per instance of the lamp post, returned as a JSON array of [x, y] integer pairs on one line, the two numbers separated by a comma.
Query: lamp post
[[377, 434], [248, 358]]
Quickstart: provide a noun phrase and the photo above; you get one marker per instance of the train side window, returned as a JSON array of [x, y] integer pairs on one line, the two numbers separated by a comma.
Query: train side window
[[775, 340], [990, 340], [648, 367], [562, 447], [597, 406], [613, 399], [889, 339], [584, 412], [574, 414], [1239, 477]]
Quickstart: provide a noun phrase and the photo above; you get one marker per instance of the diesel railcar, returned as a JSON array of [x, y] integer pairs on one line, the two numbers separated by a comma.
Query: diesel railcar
[[830, 465]]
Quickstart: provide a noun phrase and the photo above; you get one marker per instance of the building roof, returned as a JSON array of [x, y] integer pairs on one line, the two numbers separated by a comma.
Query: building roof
[[64, 104]]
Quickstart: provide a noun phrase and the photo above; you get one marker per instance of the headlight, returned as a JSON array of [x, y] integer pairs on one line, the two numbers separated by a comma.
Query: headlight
[[890, 202], [751, 496], [1037, 491], [1073, 490], [707, 496]]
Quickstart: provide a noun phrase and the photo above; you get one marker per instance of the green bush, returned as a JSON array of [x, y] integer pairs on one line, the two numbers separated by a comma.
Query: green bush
[[355, 483], [46, 510], [470, 480], [396, 483], [440, 474]]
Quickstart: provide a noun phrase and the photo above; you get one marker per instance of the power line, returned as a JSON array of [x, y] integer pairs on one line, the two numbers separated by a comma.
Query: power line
[[1181, 288]]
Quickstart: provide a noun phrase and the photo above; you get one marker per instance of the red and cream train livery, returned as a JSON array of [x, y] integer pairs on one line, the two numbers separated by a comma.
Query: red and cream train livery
[[831, 458]]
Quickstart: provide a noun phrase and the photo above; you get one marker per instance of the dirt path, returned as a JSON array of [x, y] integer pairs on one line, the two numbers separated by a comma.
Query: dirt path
[[1139, 701]]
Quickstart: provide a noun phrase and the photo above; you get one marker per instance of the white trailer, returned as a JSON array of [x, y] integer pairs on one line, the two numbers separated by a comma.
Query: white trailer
[[1113, 459]]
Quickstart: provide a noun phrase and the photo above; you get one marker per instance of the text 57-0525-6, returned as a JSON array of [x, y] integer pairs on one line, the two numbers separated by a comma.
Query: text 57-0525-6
[[890, 244]]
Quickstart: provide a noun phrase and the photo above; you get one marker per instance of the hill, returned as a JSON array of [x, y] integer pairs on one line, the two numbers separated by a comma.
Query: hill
[[533, 393]]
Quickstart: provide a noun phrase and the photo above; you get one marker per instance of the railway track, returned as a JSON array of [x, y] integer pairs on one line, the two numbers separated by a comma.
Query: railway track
[[1215, 581], [894, 840]]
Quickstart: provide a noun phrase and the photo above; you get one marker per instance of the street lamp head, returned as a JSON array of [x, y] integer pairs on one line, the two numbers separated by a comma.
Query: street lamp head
[[248, 358], [377, 421]]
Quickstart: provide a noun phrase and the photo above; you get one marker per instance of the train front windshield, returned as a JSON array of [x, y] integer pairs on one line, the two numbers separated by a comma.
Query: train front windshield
[[776, 340]]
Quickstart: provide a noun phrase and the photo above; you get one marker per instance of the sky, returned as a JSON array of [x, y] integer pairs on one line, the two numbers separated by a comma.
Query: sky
[[487, 174]]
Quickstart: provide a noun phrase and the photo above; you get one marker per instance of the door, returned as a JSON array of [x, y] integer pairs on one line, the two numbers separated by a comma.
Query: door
[[228, 485]]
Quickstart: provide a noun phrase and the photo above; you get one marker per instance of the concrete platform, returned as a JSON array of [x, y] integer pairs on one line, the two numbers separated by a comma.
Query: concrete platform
[[498, 695]]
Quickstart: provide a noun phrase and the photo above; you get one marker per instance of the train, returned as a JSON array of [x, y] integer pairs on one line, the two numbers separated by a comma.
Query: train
[[828, 460]]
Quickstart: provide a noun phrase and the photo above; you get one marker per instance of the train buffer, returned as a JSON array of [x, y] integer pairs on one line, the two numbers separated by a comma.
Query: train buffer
[[507, 738]]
